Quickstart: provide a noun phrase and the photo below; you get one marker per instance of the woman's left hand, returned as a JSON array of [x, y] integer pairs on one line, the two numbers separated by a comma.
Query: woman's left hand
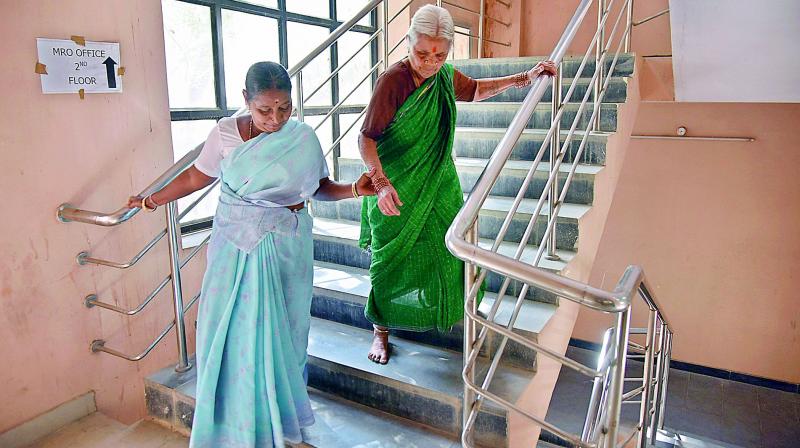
[[544, 67], [364, 185]]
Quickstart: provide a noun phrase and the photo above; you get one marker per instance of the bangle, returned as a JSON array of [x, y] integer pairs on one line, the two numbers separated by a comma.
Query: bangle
[[521, 80], [355, 190], [380, 183], [144, 204]]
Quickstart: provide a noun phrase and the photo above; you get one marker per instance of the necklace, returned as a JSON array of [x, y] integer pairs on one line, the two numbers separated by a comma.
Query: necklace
[[250, 133]]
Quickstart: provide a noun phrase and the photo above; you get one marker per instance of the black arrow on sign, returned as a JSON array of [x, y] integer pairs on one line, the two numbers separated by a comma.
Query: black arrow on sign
[[112, 78]]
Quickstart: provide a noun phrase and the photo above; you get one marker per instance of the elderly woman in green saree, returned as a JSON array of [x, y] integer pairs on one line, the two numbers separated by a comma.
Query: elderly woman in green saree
[[406, 140]]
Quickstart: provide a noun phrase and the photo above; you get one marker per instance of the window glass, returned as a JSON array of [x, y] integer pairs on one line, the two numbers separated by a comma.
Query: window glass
[[186, 135], [355, 71], [246, 39], [302, 39], [190, 63]]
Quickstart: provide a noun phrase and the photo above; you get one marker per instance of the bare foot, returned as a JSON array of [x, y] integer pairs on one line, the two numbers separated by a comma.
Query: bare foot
[[379, 352]]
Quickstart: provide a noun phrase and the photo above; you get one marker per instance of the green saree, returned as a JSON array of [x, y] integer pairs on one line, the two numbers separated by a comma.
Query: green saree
[[416, 283]]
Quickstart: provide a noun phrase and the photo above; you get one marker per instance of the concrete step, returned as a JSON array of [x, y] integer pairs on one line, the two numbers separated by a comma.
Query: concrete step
[[581, 189], [616, 92], [341, 292], [339, 423], [480, 143], [420, 383], [499, 115], [493, 67], [336, 242], [490, 219]]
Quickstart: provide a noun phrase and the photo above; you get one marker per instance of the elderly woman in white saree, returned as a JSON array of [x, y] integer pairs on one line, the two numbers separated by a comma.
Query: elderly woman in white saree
[[254, 315]]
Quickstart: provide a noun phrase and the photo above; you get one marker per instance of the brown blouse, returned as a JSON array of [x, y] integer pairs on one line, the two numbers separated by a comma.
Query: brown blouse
[[394, 87]]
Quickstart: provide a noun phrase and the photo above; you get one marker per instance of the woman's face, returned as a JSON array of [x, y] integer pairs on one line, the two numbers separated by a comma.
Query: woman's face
[[270, 109], [428, 54]]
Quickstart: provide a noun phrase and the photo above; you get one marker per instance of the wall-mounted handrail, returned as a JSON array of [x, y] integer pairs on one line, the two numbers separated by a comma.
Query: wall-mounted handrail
[[84, 258], [68, 213], [99, 345], [92, 299], [654, 16], [477, 13]]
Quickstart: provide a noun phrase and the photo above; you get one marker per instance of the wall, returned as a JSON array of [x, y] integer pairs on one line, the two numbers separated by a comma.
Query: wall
[[712, 223], [709, 62], [543, 22], [92, 153]]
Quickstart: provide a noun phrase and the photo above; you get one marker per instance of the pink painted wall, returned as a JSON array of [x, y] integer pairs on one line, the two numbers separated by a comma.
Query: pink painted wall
[[543, 22], [714, 224], [92, 153]]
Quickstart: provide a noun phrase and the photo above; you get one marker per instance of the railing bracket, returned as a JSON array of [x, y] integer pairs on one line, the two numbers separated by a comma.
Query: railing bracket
[[89, 300]]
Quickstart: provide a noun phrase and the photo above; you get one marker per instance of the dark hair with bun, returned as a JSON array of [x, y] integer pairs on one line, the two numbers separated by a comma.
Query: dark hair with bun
[[263, 76]]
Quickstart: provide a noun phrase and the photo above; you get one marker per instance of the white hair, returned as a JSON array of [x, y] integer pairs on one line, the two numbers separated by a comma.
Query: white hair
[[431, 21]]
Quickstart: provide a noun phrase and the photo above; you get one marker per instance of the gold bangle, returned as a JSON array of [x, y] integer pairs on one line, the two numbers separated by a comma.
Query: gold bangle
[[355, 190], [144, 204]]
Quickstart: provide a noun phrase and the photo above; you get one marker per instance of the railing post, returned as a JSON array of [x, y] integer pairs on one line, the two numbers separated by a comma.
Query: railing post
[[629, 27], [177, 293], [300, 99], [601, 38], [617, 378], [665, 385], [659, 391], [469, 330], [647, 379], [480, 28], [555, 152]]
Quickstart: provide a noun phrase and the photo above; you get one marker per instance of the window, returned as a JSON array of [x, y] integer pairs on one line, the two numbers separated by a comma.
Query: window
[[211, 43]]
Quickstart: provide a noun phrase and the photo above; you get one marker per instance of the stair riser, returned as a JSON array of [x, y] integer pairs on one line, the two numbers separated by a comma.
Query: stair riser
[[489, 223], [482, 146], [442, 412], [500, 116], [616, 92], [342, 253], [581, 189], [488, 68], [169, 408], [343, 311]]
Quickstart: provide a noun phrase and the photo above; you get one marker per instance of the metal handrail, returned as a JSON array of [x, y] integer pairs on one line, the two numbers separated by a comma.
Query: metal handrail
[[99, 345], [92, 299], [462, 242], [68, 213], [654, 16], [477, 13], [84, 258]]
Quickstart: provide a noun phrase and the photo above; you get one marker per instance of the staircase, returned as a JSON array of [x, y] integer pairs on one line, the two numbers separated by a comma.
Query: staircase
[[422, 383]]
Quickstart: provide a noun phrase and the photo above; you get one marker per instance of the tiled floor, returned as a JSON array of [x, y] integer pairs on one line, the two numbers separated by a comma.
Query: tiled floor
[[721, 410]]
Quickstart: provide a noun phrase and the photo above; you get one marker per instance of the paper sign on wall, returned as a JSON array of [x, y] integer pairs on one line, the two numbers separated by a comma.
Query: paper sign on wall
[[71, 67]]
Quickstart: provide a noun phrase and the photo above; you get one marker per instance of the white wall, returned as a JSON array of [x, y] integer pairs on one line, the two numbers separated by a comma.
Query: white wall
[[736, 50]]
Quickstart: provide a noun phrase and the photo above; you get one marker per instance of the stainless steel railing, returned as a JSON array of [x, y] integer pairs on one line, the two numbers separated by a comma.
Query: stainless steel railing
[[69, 213], [602, 423]]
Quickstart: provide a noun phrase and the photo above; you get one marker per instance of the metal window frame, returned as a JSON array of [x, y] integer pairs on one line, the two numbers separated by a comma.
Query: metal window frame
[[283, 17]]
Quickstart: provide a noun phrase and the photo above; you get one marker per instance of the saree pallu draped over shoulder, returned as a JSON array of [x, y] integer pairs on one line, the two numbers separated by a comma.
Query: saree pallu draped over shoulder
[[416, 283], [254, 315]]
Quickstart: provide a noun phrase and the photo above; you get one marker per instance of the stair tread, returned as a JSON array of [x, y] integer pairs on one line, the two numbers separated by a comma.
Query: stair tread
[[344, 424], [414, 365], [355, 283], [525, 165], [472, 162], [350, 230]]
